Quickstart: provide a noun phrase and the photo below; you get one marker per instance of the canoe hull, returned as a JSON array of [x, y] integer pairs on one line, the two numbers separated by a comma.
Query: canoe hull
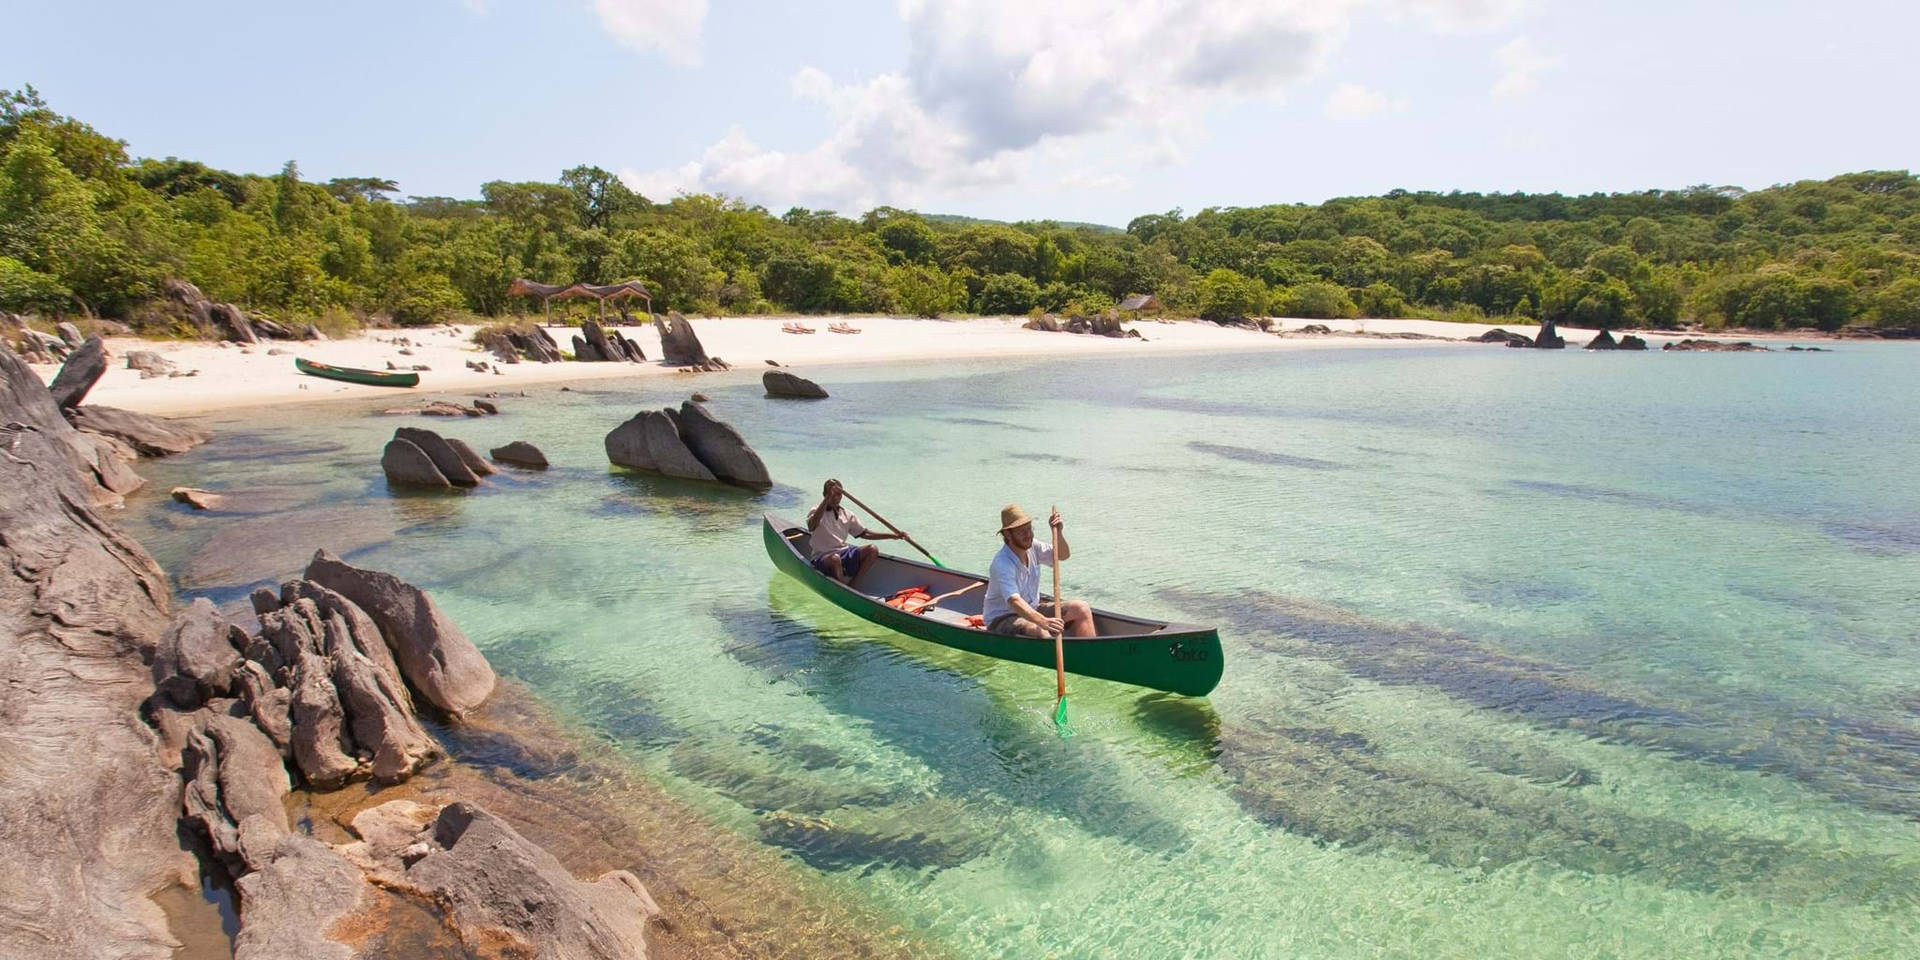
[[372, 378], [1178, 658]]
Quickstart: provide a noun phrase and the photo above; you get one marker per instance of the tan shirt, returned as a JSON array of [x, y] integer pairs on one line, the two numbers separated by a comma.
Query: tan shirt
[[833, 531]]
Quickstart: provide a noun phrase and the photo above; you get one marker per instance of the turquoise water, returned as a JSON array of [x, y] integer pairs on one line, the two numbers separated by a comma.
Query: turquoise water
[[1527, 655]]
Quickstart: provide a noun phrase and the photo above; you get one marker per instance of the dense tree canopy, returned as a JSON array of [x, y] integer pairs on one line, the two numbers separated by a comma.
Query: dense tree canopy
[[86, 229]]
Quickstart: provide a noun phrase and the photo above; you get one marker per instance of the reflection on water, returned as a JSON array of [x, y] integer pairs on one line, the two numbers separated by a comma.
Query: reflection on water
[[1640, 684]]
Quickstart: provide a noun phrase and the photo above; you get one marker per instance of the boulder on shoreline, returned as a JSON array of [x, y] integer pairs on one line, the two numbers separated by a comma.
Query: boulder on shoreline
[[82, 370], [779, 383], [678, 343], [436, 658]]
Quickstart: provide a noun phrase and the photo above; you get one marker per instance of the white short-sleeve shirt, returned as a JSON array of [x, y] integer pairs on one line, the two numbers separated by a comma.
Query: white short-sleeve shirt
[[1008, 577], [833, 531]]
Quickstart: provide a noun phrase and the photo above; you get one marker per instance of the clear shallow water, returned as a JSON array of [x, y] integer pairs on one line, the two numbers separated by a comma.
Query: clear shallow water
[[1570, 655]]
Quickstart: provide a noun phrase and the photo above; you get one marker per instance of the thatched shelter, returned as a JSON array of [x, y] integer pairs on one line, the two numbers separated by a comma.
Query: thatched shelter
[[1141, 303], [548, 293]]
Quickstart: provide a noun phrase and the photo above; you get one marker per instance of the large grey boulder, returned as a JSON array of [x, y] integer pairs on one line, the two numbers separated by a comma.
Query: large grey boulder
[[149, 363], [148, 435], [235, 321], [446, 459], [195, 660], [90, 804], [780, 383], [434, 656], [364, 633], [520, 454], [651, 441], [236, 787], [721, 448], [78, 375], [409, 466], [678, 343]]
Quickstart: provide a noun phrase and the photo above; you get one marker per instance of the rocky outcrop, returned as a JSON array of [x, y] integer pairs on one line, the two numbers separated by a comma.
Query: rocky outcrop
[[520, 453], [597, 344], [144, 433], [198, 499], [780, 383], [720, 448], [91, 805], [406, 465], [99, 474], [509, 345], [233, 322], [78, 375], [1714, 345], [678, 343], [196, 660], [1549, 337], [422, 458], [436, 658], [1631, 342], [651, 441], [445, 459], [70, 334], [235, 788], [1604, 341]]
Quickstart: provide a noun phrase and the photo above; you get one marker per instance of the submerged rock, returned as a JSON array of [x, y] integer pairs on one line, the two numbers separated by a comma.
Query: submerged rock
[[520, 454], [779, 383], [197, 498]]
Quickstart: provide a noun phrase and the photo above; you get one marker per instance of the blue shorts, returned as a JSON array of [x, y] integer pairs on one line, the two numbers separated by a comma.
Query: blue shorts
[[849, 561]]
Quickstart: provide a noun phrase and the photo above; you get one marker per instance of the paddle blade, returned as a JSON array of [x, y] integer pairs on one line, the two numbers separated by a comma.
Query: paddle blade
[[1060, 716]]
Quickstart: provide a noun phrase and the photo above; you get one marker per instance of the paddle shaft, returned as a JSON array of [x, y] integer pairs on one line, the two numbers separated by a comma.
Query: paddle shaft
[[902, 534], [1059, 610]]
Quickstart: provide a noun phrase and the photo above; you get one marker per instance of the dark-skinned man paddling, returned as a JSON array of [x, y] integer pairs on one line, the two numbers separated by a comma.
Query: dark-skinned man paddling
[[830, 525], [1012, 605]]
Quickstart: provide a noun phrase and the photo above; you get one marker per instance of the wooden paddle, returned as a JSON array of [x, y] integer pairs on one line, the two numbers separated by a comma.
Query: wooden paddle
[[1059, 637], [902, 534]]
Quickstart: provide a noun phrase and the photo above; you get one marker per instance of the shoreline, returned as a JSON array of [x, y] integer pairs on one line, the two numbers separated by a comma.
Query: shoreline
[[233, 376]]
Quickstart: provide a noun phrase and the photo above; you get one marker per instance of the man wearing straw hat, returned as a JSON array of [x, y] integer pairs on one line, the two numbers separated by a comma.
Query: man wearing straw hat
[[1012, 605]]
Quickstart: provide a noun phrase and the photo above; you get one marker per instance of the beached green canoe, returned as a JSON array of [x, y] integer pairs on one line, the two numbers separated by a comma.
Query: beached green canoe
[[375, 378], [1176, 657]]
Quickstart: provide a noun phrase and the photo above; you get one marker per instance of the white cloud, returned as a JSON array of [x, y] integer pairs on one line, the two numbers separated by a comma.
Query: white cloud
[[475, 6], [670, 27], [1351, 101], [1461, 16], [995, 89], [1520, 65]]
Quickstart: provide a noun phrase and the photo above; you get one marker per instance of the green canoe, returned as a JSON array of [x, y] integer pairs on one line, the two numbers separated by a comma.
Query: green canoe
[[1177, 657], [375, 378]]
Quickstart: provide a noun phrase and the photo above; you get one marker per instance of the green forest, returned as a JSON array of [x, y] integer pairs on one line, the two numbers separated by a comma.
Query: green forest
[[88, 231]]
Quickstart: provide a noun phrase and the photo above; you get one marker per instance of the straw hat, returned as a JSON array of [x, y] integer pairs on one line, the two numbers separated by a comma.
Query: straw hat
[[1012, 516]]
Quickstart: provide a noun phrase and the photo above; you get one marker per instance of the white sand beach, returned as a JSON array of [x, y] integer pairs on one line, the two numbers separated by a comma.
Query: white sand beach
[[234, 376]]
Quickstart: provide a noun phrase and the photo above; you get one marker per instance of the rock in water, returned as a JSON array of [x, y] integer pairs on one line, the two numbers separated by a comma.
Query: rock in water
[[197, 498], [521, 454], [194, 661], [1604, 341], [78, 375], [472, 460], [434, 656], [1549, 338], [494, 880], [1631, 342], [651, 441], [444, 457], [721, 448], [409, 466], [379, 712], [779, 383], [149, 435]]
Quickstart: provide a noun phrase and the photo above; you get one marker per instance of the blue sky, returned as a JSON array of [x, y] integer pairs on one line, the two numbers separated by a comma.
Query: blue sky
[[1073, 109]]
